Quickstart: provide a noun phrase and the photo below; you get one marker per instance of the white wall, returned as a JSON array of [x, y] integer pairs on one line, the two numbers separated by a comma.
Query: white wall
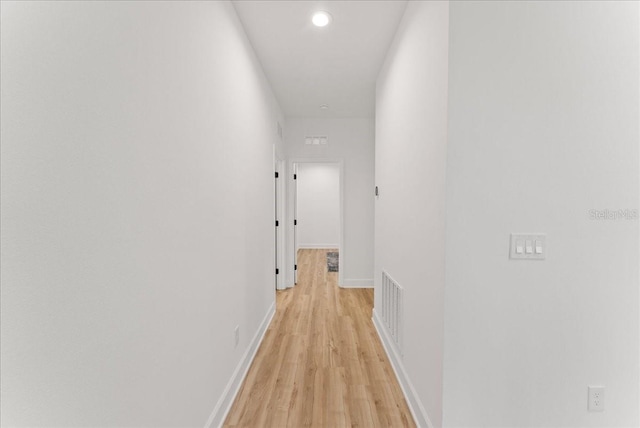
[[543, 127], [352, 141], [318, 205], [411, 139], [136, 191]]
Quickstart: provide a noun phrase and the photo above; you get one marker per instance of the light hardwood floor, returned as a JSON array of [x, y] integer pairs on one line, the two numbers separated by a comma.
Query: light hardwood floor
[[321, 363]]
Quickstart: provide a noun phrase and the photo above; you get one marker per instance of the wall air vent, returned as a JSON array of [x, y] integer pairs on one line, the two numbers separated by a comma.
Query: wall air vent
[[393, 310], [316, 140]]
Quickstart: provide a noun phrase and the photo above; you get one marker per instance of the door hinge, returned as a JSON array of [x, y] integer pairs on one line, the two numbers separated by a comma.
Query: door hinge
[[277, 271], [295, 267], [277, 223], [295, 222], [295, 176], [276, 174]]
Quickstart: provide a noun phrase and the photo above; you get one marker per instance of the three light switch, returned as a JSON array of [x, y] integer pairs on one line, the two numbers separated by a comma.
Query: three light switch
[[528, 246]]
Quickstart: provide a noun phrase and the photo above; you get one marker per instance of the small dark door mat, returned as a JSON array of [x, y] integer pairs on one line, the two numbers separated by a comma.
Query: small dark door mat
[[332, 261]]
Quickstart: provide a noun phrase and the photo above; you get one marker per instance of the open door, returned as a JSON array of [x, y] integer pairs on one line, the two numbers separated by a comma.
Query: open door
[[295, 223], [279, 217], [277, 225]]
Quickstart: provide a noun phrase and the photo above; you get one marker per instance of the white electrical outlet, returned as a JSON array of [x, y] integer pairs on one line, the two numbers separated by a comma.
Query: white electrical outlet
[[596, 399], [237, 335]]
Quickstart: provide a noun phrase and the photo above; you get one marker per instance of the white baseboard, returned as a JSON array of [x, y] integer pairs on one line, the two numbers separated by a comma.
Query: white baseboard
[[225, 402], [318, 246], [418, 411], [357, 283]]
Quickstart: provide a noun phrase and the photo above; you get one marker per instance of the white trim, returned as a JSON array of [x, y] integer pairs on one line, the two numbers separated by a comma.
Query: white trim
[[221, 410], [357, 283], [420, 416], [318, 246]]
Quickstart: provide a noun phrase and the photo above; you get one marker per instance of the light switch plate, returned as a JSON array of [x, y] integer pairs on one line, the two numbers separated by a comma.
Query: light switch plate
[[528, 246]]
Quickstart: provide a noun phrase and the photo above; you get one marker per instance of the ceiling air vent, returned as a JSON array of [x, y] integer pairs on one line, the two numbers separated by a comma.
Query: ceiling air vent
[[316, 140]]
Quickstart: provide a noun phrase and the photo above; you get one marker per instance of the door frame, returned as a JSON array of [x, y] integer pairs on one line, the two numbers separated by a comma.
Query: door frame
[[280, 217], [291, 201]]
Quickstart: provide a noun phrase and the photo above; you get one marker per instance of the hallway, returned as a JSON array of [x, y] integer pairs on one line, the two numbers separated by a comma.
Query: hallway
[[152, 175], [321, 362]]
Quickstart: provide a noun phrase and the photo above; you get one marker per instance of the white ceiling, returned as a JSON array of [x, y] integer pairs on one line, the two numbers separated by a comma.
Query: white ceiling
[[336, 65]]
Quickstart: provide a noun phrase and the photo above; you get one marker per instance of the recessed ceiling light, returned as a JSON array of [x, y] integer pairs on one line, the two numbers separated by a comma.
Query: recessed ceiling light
[[324, 107], [321, 18]]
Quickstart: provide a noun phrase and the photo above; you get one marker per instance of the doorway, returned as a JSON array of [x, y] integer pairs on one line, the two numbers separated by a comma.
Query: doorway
[[317, 207]]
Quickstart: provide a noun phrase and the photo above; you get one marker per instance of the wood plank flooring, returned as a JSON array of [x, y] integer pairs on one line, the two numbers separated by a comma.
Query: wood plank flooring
[[321, 363]]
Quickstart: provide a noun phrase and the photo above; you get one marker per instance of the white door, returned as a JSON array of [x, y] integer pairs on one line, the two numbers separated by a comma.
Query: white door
[[295, 223], [277, 224]]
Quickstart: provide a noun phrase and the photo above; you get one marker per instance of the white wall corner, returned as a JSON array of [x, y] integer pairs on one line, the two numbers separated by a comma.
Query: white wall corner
[[420, 416], [223, 406], [357, 283]]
